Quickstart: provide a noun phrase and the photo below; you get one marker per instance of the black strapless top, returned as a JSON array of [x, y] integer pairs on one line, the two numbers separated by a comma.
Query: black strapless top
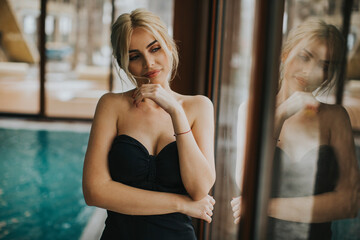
[[315, 173], [130, 163]]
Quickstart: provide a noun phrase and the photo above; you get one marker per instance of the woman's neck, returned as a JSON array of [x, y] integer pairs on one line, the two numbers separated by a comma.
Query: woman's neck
[[284, 93]]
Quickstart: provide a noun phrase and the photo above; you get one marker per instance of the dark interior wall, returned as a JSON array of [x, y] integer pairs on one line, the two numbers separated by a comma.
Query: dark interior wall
[[191, 21]]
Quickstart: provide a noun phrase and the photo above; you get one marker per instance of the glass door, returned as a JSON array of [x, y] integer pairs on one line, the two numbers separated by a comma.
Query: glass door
[[282, 181], [233, 90], [19, 56], [78, 56]]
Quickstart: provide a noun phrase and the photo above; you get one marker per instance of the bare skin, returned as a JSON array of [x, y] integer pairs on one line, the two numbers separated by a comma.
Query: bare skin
[[299, 114], [151, 114]]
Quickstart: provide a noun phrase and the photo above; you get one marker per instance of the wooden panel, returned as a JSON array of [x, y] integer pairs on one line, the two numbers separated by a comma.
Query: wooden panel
[[258, 149], [16, 46], [190, 34]]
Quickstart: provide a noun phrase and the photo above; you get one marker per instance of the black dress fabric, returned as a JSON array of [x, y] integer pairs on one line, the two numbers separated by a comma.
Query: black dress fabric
[[130, 163], [315, 173]]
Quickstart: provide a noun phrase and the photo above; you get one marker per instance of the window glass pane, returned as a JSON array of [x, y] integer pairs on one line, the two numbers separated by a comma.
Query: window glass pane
[[316, 172], [352, 87], [19, 56], [350, 228], [298, 11], [78, 56], [235, 78], [79, 52]]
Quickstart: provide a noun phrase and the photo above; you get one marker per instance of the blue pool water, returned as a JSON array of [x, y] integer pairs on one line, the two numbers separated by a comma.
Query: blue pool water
[[40, 184]]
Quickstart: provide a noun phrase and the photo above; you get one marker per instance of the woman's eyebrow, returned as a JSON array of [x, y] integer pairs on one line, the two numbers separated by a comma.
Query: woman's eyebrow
[[152, 43], [311, 55], [149, 45], [326, 62], [308, 52]]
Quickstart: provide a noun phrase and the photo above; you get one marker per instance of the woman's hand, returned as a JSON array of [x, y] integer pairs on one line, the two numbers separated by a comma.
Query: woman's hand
[[297, 102], [202, 209], [158, 94], [235, 204]]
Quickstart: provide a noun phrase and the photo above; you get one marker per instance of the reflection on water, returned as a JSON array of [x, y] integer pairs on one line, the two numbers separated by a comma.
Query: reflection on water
[[40, 184]]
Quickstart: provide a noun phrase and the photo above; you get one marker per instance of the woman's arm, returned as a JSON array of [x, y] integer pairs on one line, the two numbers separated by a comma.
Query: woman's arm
[[286, 109], [196, 148], [239, 167], [341, 203], [101, 191], [241, 135]]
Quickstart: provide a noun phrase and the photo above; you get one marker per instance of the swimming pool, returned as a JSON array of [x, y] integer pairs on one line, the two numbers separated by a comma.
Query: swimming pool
[[40, 184]]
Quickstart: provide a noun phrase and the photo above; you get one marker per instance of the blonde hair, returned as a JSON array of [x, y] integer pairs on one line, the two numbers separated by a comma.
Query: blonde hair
[[121, 32], [317, 29]]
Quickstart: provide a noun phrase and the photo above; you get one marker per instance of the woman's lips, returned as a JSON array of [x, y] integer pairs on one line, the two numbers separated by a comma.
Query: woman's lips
[[152, 74], [301, 80]]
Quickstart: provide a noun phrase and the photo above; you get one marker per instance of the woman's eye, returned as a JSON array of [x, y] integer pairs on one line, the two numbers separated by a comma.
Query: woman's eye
[[325, 67], [303, 57], [155, 49], [134, 57]]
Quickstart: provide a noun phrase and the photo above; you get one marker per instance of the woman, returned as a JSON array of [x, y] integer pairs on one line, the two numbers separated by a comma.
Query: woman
[[315, 155], [150, 157]]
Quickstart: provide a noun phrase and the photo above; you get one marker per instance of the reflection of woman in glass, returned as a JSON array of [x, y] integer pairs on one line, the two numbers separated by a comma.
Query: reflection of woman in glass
[[318, 179], [148, 178]]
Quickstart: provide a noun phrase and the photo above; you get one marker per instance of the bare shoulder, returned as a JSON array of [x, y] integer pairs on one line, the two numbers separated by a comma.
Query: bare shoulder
[[107, 99], [334, 112], [334, 116], [113, 100], [112, 104], [196, 102], [197, 107]]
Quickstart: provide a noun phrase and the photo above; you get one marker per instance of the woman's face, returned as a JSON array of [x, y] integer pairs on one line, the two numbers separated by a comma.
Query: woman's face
[[147, 58], [306, 65]]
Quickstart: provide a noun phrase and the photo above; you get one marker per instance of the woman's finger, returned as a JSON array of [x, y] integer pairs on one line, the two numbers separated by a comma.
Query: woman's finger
[[236, 214], [236, 207], [208, 218], [138, 98], [146, 91], [143, 88], [211, 207], [142, 95], [235, 201], [212, 200], [209, 212]]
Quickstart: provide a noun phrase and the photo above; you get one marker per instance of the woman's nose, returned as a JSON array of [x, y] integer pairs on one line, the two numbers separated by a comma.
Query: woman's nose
[[314, 72], [148, 61], [308, 68]]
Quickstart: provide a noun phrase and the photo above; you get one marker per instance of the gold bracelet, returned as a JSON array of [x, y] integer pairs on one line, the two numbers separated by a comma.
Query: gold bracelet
[[177, 134]]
